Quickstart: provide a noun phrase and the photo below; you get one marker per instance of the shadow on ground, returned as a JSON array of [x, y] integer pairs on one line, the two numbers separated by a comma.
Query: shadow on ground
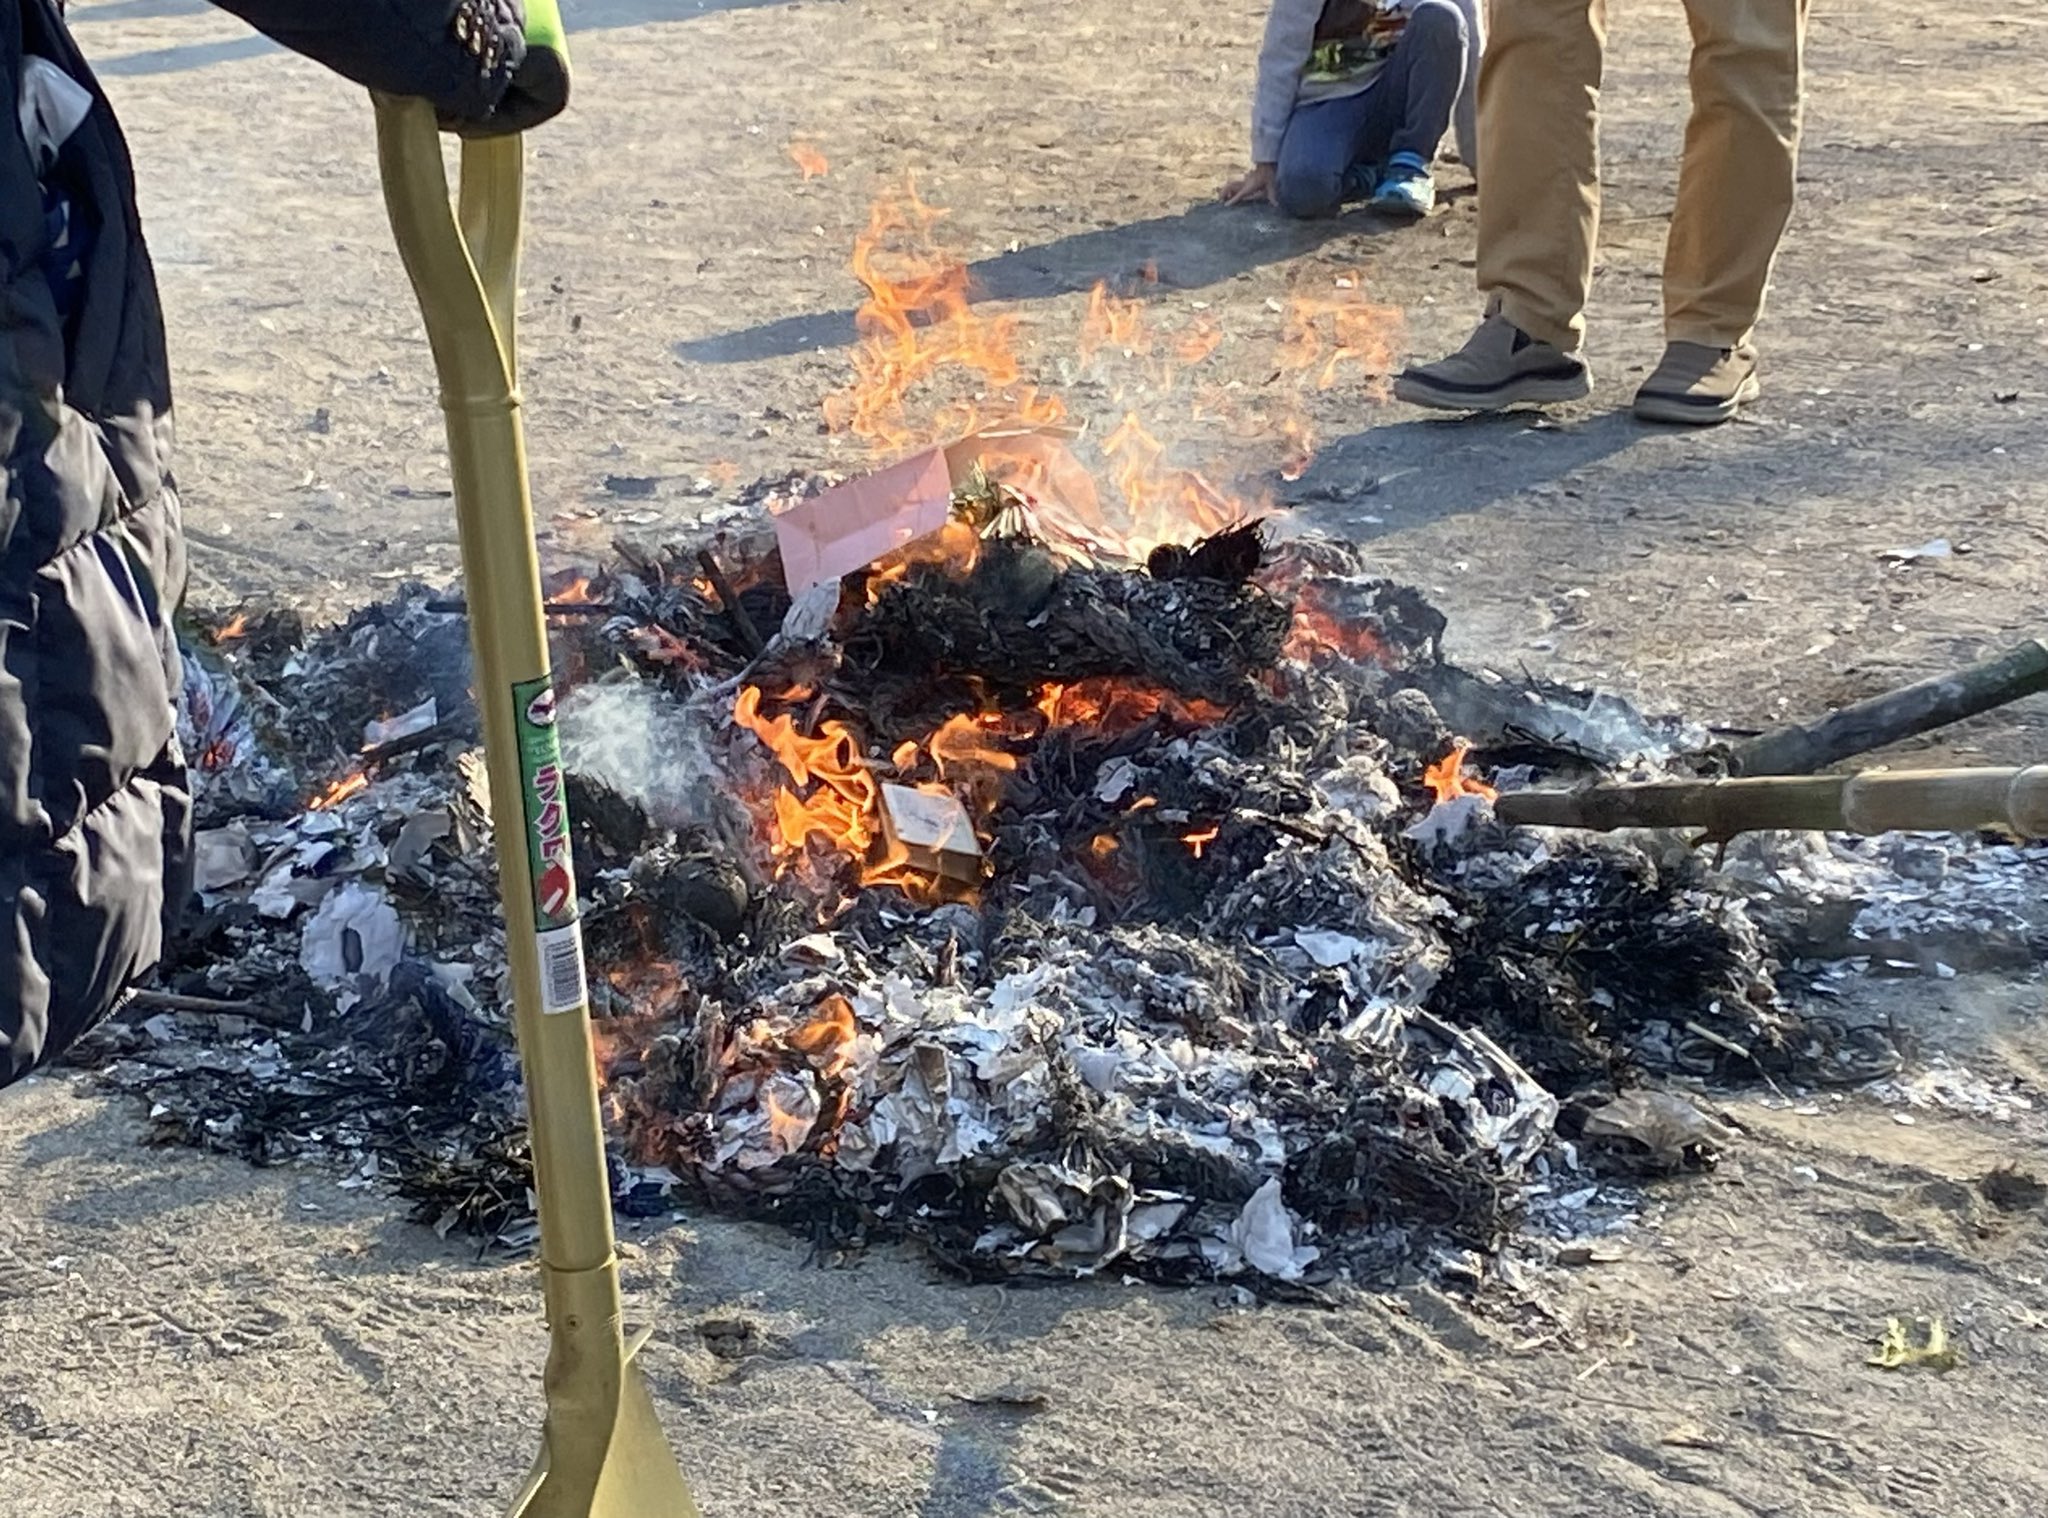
[[584, 16], [1450, 466], [1189, 250], [1435, 469]]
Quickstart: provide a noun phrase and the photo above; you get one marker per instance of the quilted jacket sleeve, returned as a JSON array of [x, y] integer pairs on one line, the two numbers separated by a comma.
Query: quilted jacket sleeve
[[458, 54], [1290, 38]]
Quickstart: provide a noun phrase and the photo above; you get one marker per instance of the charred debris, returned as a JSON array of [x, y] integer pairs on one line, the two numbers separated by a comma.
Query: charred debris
[[1062, 913]]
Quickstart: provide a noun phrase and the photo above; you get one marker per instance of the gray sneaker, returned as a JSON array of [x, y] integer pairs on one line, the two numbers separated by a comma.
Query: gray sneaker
[[1697, 386], [1500, 366]]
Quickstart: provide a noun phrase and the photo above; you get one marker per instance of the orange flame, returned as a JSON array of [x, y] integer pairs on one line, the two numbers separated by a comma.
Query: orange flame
[[231, 629], [1301, 448], [1117, 706], [827, 1039], [833, 796], [1112, 322], [962, 745], [1322, 333], [841, 804], [1166, 504], [1201, 339], [1316, 631], [917, 323], [956, 546], [811, 163], [789, 1131], [1319, 335], [1200, 839], [1447, 779], [349, 785], [921, 335]]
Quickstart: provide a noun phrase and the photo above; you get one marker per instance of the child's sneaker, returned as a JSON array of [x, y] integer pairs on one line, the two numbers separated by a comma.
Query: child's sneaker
[[1406, 189]]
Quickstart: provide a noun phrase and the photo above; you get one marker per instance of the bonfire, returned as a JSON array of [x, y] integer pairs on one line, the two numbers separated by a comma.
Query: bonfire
[[1023, 845]]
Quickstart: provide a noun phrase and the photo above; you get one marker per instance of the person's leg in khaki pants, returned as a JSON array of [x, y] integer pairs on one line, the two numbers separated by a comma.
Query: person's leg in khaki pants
[[1735, 193], [1735, 187], [1539, 208], [1539, 211], [1539, 115]]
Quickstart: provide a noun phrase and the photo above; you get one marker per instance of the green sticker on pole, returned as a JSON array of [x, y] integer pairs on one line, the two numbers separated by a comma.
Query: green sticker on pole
[[550, 863]]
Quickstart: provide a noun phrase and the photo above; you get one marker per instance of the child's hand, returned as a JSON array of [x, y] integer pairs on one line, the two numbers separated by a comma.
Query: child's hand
[[1257, 185]]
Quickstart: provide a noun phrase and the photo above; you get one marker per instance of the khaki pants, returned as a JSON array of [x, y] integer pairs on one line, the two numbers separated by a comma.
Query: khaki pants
[[1539, 207]]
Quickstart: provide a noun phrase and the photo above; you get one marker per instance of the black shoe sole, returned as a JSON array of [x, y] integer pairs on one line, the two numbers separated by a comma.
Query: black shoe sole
[[1536, 389], [1685, 411]]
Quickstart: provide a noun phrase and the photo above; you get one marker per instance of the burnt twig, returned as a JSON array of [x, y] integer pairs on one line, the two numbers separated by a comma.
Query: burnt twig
[[168, 1001], [151, 1002], [728, 598], [411, 743], [459, 606]]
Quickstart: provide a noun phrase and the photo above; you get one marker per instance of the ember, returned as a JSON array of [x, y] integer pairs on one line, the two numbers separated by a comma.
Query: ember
[[349, 785], [1447, 780]]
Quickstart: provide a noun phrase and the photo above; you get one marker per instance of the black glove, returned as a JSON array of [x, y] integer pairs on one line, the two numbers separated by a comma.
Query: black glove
[[469, 57], [520, 86]]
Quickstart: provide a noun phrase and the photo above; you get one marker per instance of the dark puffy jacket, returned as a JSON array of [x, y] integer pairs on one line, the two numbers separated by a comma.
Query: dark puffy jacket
[[94, 803]]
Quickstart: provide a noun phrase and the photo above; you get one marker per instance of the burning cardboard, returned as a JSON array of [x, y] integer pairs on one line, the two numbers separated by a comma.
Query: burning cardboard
[[841, 530], [825, 537], [931, 830]]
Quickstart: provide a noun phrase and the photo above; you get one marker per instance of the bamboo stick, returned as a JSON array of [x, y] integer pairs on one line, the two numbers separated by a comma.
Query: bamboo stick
[[1880, 801], [1803, 748]]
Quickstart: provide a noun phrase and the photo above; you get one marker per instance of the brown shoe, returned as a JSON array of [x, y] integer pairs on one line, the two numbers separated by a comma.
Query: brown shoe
[[1500, 366], [1697, 386]]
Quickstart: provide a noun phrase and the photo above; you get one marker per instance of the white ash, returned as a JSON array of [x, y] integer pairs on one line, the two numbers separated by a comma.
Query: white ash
[[1921, 898]]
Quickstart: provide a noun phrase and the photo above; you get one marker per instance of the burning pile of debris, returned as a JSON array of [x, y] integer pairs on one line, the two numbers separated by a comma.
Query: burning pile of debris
[[965, 857], [1060, 912]]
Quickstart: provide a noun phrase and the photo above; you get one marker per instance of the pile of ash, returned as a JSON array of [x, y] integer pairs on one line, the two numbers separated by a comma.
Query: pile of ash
[[1063, 915]]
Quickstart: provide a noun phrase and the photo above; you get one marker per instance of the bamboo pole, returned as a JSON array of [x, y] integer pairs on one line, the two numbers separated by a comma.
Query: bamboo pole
[[1803, 748], [1880, 801]]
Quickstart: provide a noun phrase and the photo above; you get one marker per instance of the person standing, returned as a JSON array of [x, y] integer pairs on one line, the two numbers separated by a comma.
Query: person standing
[[1539, 100], [95, 802], [1354, 96]]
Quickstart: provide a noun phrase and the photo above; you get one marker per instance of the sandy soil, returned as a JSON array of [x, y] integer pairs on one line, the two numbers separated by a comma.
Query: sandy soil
[[186, 1335]]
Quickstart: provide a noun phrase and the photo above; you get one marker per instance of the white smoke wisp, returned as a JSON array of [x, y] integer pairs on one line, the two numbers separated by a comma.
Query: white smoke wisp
[[656, 751]]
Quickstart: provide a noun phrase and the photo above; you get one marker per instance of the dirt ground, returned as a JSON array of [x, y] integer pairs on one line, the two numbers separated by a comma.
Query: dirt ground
[[187, 1335]]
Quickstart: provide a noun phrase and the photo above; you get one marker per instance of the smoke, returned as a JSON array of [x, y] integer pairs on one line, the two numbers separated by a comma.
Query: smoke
[[654, 750]]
